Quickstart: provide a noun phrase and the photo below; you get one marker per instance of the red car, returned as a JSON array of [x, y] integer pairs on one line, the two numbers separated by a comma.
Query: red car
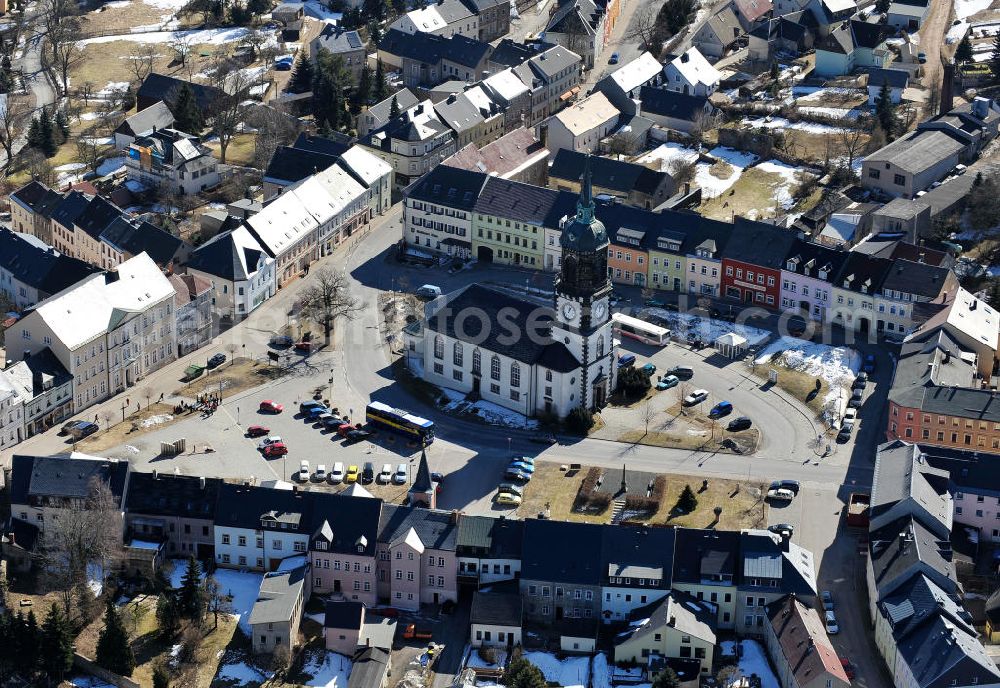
[[848, 669], [304, 347], [268, 406], [346, 428], [275, 450], [257, 431]]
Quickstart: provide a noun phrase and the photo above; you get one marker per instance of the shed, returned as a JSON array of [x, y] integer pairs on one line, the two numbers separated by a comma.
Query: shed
[[731, 345]]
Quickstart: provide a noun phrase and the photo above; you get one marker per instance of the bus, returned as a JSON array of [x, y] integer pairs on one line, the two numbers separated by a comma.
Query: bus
[[396, 420], [645, 332]]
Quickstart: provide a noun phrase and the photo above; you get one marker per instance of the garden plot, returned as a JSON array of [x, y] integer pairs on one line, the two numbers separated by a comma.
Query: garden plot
[[237, 671], [328, 670], [243, 586], [790, 176], [572, 672], [837, 366], [709, 329], [713, 178]]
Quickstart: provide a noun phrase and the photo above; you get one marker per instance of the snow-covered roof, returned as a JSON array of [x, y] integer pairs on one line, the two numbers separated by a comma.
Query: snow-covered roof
[[695, 69], [427, 19], [637, 72], [282, 223], [589, 113], [506, 84], [88, 309], [338, 189], [369, 167]]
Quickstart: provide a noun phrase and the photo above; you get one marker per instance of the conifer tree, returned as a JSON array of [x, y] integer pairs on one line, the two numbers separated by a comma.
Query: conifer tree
[[192, 595], [56, 645], [114, 652], [187, 115]]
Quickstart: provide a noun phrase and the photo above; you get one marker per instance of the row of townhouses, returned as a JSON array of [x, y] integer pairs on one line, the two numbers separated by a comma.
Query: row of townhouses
[[878, 285], [570, 578]]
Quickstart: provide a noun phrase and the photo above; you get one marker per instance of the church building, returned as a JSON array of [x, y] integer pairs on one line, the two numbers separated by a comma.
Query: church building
[[523, 354]]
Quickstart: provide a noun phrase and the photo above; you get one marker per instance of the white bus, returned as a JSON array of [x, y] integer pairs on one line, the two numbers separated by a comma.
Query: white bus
[[645, 332]]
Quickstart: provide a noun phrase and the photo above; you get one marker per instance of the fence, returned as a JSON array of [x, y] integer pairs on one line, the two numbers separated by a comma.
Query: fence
[[89, 666]]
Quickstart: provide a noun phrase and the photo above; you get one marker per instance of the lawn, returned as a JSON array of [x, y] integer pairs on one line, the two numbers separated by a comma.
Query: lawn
[[239, 152], [153, 417], [754, 191], [232, 378], [740, 502], [799, 385]]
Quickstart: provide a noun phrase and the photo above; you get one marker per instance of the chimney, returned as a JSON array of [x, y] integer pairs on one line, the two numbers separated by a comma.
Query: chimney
[[543, 134], [452, 98], [455, 516], [295, 489], [947, 356], [947, 87], [27, 354], [156, 474], [201, 482], [685, 57]]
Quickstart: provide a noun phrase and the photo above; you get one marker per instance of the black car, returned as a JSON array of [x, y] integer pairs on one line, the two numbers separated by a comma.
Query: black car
[[68, 427], [368, 473], [844, 435], [861, 381], [84, 429], [437, 478], [737, 424], [357, 435], [782, 528], [216, 360]]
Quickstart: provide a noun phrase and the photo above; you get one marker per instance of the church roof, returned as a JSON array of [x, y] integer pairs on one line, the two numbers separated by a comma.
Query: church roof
[[422, 483], [522, 334]]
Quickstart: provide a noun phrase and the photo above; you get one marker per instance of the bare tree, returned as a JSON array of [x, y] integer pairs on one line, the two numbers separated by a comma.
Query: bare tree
[[933, 103], [642, 29], [329, 298], [51, 16], [38, 166], [140, 61], [273, 128], [86, 92], [682, 170], [219, 602], [12, 120], [852, 143], [106, 416], [231, 110], [648, 413], [66, 53], [254, 40], [88, 151], [84, 535], [182, 49], [109, 114]]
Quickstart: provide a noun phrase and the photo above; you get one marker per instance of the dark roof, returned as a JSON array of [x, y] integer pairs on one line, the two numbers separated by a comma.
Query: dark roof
[[869, 35], [156, 116], [291, 165], [499, 538], [911, 603], [883, 246], [339, 40], [699, 554], [940, 655], [465, 51], [165, 88], [511, 53], [760, 244], [860, 269], [322, 144], [451, 186], [902, 548], [135, 238], [241, 506], [368, 669], [524, 202], [167, 494], [40, 198], [97, 216], [637, 546], [64, 475], [430, 48], [607, 173], [25, 534], [343, 614], [496, 608], [220, 257], [45, 270], [434, 528], [70, 207], [912, 277], [895, 78], [814, 258], [535, 348], [422, 483], [561, 551], [351, 522], [660, 101]]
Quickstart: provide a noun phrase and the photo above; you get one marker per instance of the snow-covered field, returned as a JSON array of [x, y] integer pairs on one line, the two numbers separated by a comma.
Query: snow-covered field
[[790, 177], [667, 154], [243, 586], [328, 670], [572, 672], [194, 36], [110, 165], [491, 413], [242, 673], [835, 112], [711, 185], [709, 329], [754, 662], [836, 365], [782, 123]]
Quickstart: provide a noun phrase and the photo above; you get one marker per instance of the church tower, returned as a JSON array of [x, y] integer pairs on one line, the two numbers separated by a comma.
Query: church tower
[[582, 293]]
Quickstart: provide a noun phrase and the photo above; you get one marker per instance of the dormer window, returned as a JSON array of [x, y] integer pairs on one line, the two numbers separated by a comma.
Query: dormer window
[[823, 273], [361, 549], [321, 545], [791, 265]]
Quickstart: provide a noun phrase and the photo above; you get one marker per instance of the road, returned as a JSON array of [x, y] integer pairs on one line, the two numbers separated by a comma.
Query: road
[[932, 42]]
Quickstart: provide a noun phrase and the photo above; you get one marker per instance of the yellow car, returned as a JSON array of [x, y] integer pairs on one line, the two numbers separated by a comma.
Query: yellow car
[[352, 474], [508, 498]]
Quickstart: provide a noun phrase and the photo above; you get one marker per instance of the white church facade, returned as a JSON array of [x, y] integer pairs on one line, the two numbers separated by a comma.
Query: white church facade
[[529, 357]]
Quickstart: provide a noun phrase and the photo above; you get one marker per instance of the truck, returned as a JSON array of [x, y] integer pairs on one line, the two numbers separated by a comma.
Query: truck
[[412, 631], [858, 505]]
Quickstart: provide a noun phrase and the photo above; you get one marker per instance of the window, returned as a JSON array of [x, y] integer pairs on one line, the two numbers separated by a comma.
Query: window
[[874, 174], [477, 362], [439, 347], [515, 375], [899, 180], [495, 367], [225, 538], [457, 354]]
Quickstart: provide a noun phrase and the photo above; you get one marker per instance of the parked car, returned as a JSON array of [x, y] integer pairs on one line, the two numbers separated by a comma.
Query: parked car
[[528, 468], [696, 397], [65, 429], [543, 438], [508, 498], [869, 365], [316, 411], [346, 428], [216, 360], [281, 341], [429, 291], [738, 424], [257, 431], [682, 372], [792, 485], [273, 451], [524, 459], [666, 382], [337, 474], [352, 474], [827, 598], [850, 417], [385, 475], [861, 381], [268, 406], [332, 421], [401, 474], [648, 370], [368, 473], [857, 398], [512, 488], [305, 406], [614, 58], [831, 624], [844, 434], [320, 475], [723, 408], [922, 58], [782, 529], [780, 495], [625, 360], [848, 668], [283, 66], [267, 441], [303, 474], [357, 435], [84, 429], [304, 347], [517, 475]]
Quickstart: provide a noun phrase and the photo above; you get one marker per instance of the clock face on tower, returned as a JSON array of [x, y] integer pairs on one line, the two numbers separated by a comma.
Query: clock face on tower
[[569, 311], [599, 311]]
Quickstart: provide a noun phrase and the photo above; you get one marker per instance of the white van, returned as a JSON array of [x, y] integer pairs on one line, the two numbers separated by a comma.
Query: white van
[[429, 291]]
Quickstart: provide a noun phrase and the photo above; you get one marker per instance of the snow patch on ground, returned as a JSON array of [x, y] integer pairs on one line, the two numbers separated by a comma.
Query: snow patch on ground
[[110, 166], [790, 177], [728, 647], [782, 123], [572, 672], [967, 8], [318, 10], [242, 585], [602, 674], [242, 673], [836, 365], [754, 662], [835, 112], [491, 413], [815, 93], [709, 329], [70, 167], [711, 185], [194, 37], [328, 670], [157, 420], [667, 154]]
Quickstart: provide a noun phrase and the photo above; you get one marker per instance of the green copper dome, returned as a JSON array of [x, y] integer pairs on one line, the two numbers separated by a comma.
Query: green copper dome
[[585, 234]]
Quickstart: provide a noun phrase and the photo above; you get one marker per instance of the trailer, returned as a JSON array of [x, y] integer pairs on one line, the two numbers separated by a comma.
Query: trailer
[[858, 506]]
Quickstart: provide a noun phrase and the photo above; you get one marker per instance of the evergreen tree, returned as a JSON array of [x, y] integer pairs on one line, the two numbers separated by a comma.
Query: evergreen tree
[[363, 93], [885, 111], [963, 53], [8, 643], [687, 502], [187, 115], [56, 645], [258, 7], [191, 598], [46, 135], [882, 6], [62, 123], [114, 652], [380, 90], [394, 108], [161, 679], [995, 58], [34, 134], [28, 647], [667, 679], [167, 616], [302, 78], [523, 674]]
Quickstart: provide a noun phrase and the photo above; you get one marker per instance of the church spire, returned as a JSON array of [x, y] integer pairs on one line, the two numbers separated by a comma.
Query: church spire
[[585, 204]]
